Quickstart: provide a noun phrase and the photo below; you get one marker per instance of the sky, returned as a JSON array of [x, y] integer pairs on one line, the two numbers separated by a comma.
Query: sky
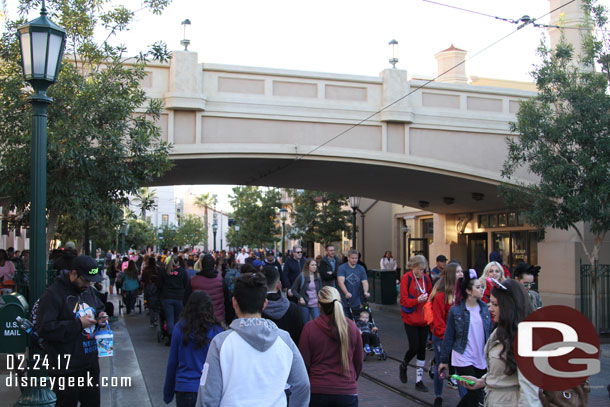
[[344, 36]]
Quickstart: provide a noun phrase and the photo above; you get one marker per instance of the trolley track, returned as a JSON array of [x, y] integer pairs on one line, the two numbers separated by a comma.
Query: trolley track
[[395, 390]]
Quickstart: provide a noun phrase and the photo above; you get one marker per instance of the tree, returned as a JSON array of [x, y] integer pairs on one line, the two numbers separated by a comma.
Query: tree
[[319, 216], [564, 140], [254, 210], [145, 199], [192, 231], [168, 237], [141, 234], [103, 137]]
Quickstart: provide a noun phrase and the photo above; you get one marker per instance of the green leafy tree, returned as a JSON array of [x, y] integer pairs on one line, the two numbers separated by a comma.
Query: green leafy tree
[[255, 210], [141, 234], [103, 137], [564, 140], [319, 216], [168, 237], [145, 199], [192, 231]]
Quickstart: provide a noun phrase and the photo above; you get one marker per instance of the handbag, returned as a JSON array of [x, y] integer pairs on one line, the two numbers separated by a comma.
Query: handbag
[[575, 397]]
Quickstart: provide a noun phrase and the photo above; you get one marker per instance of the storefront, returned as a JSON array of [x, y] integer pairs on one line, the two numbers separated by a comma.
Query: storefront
[[506, 233]]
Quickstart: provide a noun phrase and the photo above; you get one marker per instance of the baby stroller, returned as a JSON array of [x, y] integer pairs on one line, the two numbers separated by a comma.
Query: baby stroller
[[378, 351]]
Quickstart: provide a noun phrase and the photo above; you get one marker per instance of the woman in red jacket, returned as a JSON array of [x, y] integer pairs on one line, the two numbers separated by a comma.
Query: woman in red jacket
[[331, 346], [414, 289], [442, 298]]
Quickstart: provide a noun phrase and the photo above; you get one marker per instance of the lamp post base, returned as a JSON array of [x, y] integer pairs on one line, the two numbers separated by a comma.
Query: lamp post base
[[37, 396]]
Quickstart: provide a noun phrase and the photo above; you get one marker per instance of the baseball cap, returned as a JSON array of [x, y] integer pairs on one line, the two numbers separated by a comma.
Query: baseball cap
[[441, 258], [87, 267], [257, 263], [269, 252], [70, 245]]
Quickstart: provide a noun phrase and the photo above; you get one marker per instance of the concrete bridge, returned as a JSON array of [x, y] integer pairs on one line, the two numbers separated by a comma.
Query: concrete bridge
[[433, 149]]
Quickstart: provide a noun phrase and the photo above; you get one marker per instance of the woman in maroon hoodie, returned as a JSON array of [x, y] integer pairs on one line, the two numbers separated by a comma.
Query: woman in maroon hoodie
[[331, 347], [208, 279]]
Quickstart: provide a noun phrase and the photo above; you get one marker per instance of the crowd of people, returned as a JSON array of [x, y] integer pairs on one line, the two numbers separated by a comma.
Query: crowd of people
[[473, 324], [226, 314]]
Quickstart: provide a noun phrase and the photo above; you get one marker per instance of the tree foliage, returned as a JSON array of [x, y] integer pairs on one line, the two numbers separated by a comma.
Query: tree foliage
[[319, 216], [254, 209], [141, 234], [103, 137], [192, 231], [145, 200], [564, 139]]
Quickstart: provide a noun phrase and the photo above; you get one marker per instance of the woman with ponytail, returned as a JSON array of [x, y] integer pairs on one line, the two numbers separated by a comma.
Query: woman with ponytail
[[331, 347]]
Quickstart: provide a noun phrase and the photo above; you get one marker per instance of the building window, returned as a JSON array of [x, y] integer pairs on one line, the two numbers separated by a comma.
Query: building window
[[165, 220]]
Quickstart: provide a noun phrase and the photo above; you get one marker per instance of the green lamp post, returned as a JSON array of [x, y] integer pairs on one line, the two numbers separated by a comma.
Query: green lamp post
[[283, 217], [42, 47], [354, 202]]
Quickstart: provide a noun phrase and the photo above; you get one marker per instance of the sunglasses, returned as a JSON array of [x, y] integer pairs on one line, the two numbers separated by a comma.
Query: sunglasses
[[528, 284], [298, 252]]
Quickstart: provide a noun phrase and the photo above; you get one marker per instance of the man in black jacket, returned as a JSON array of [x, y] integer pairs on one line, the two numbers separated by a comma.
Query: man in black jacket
[[68, 314], [329, 266], [284, 313], [292, 269]]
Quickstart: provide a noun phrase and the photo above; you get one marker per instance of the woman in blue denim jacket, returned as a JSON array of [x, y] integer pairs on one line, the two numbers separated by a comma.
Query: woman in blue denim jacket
[[467, 331]]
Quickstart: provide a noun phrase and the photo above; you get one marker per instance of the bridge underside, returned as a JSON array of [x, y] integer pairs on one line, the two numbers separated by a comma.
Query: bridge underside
[[405, 186]]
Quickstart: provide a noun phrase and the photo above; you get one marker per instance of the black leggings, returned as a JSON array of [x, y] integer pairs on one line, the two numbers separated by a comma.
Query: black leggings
[[417, 336], [472, 397]]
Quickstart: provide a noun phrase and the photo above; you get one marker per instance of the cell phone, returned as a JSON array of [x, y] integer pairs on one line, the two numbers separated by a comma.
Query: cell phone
[[461, 379]]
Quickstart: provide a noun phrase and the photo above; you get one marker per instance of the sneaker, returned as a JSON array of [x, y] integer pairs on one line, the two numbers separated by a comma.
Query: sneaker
[[402, 370], [377, 350], [438, 402], [420, 386], [367, 348], [452, 384]]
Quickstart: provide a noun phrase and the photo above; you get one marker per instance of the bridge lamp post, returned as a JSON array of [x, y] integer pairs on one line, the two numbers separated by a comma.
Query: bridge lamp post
[[394, 59], [42, 46], [186, 34], [283, 217], [354, 202]]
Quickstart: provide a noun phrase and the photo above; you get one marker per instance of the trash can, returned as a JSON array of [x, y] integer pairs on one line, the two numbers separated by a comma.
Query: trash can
[[382, 285]]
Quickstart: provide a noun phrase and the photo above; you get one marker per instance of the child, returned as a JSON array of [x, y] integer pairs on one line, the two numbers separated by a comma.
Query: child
[[189, 349], [368, 330], [468, 328]]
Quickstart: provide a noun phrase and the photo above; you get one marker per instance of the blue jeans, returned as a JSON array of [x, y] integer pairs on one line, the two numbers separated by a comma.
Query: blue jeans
[[172, 309], [333, 400], [309, 312], [185, 399], [438, 382]]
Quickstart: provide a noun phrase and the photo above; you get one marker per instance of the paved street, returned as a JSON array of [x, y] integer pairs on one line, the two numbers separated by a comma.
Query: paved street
[[139, 356]]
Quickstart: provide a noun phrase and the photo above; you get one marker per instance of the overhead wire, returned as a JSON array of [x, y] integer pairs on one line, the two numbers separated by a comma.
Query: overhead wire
[[426, 83]]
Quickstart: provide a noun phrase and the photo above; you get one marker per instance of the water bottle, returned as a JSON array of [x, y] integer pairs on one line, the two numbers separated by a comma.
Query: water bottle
[[28, 327]]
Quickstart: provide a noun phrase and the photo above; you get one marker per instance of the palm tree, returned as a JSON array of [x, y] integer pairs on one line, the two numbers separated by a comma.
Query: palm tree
[[145, 199]]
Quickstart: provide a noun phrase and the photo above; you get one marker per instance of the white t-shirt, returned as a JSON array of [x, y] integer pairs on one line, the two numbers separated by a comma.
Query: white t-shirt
[[241, 258], [474, 354]]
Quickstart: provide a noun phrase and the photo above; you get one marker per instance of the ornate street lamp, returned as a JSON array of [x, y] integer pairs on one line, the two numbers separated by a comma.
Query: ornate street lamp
[[354, 202], [237, 236], [283, 217], [42, 47], [214, 230], [186, 34]]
